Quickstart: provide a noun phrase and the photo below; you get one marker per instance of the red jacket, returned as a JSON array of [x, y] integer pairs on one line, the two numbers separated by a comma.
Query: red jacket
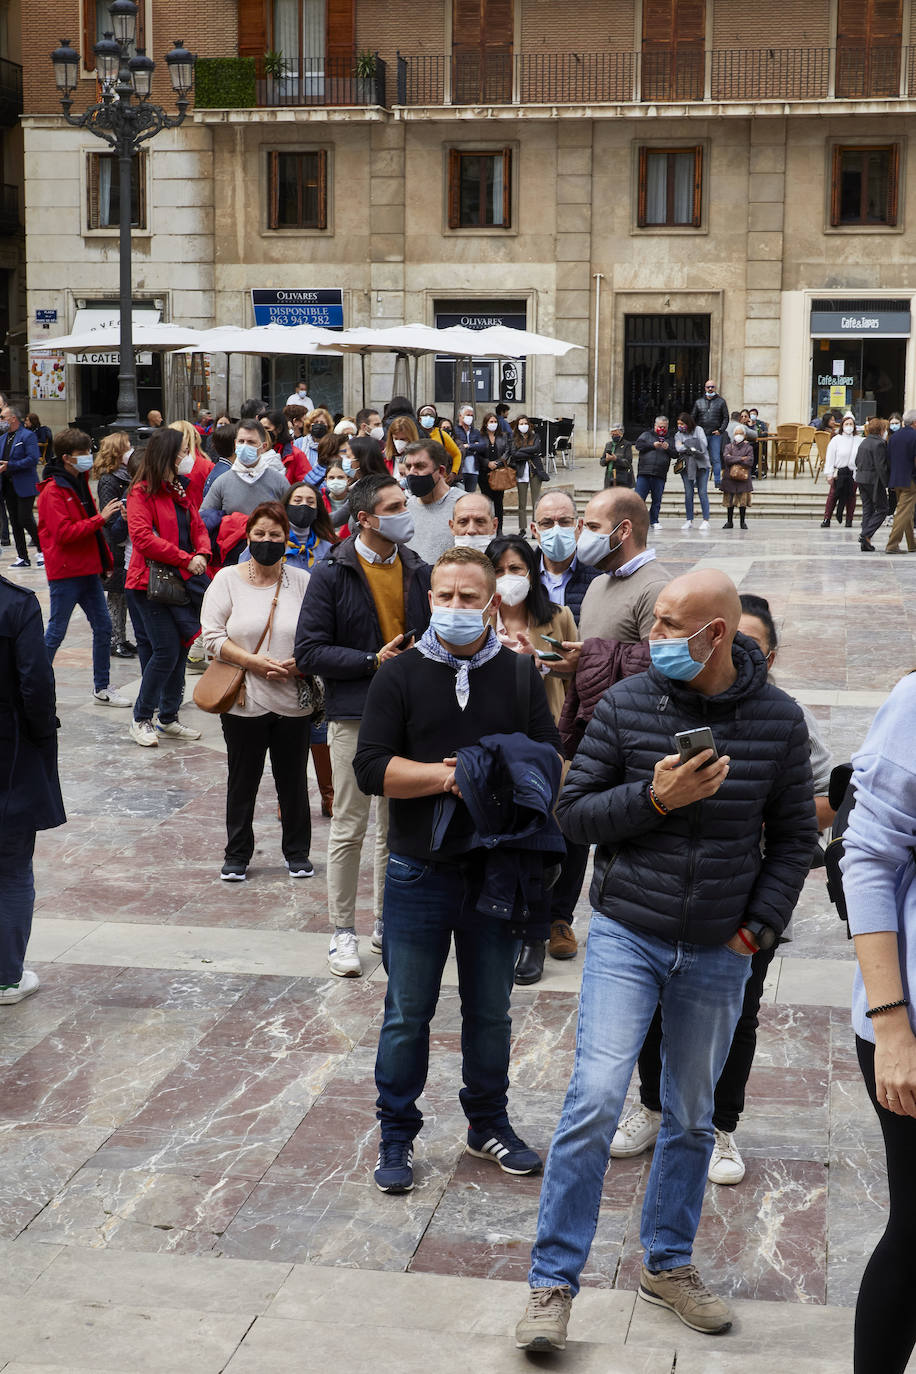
[[297, 465], [153, 528], [198, 476], [69, 537]]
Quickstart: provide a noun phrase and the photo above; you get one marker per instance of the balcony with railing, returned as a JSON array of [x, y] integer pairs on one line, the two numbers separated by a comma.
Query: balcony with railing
[[685, 74], [271, 82], [10, 93]]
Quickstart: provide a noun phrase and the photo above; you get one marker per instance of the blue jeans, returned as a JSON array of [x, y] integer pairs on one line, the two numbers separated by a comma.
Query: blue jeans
[[162, 684], [715, 456], [627, 973], [654, 486], [699, 481], [426, 905], [17, 898], [66, 594]]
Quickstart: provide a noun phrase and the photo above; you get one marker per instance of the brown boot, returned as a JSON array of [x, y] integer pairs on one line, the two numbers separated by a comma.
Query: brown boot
[[563, 943], [321, 760]]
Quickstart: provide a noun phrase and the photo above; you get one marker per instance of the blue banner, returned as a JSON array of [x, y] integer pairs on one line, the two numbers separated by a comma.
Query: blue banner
[[323, 308]]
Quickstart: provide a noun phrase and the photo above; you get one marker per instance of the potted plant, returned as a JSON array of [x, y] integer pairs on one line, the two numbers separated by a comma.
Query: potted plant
[[364, 70], [275, 69]]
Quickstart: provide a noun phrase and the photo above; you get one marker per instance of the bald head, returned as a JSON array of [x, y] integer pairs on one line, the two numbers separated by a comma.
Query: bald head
[[704, 608], [610, 506], [473, 514]]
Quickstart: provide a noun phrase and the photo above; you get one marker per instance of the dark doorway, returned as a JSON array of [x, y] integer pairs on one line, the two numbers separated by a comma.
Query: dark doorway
[[866, 375], [99, 388], [665, 363]]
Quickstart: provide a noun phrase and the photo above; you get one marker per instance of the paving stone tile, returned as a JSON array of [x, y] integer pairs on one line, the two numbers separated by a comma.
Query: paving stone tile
[[36, 1161], [783, 1330], [21, 1263]]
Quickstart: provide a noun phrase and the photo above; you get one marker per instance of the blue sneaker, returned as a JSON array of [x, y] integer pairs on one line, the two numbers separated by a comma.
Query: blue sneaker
[[394, 1170], [502, 1145]]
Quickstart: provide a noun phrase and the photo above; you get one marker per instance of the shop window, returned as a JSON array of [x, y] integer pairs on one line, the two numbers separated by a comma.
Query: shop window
[[670, 187], [864, 187], [297, 190], [479, 189], [103, 199]]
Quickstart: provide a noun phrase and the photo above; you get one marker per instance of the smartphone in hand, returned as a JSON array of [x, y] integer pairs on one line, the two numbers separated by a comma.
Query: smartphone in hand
[[692, 742], [407, 636]]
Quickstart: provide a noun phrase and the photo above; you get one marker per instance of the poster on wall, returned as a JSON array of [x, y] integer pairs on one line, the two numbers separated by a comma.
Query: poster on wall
[[47, 377]]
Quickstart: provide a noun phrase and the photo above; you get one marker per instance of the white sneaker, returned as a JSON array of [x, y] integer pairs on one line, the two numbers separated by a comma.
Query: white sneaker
[[343, 955], [27, 984], [637, 1131], [687, 525], [726, 1165], [657, 525], [108, 697], [704, 526], [142, 732], [175, 730], [376, 940], [39, 560]]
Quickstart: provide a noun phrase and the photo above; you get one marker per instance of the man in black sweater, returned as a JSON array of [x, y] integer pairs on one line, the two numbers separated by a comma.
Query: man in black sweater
[[457, 686]]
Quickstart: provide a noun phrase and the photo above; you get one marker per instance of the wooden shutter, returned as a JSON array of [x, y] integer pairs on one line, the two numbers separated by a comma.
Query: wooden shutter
[[92, 191], [507, 188], [322, 221], [87, 8], [454, 188], [340, 41], [885, 21], [498, 24], [698, 187], [467, 24], [657, 23], [893, 173], [252, 19], [863, 22]]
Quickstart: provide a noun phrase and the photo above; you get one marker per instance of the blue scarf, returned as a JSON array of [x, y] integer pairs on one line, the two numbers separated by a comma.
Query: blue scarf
[[431, 647]]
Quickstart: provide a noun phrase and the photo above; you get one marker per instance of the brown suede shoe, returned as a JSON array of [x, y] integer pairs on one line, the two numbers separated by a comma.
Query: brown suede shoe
[[563, 943]]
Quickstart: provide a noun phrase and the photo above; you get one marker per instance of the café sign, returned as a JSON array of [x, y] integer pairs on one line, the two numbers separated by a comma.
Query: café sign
[[839, 322]]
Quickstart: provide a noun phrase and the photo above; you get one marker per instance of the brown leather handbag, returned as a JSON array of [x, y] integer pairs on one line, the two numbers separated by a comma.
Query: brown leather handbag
[[222, 685], [502, 478]]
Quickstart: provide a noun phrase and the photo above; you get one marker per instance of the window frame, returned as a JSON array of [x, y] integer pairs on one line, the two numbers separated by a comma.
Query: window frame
[[647, 150], [273, 191], [88, 10], [893, 220], [453, 188], [90, 188]]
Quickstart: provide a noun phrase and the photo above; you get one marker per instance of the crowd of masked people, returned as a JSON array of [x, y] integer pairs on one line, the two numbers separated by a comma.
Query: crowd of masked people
[[513, 703]]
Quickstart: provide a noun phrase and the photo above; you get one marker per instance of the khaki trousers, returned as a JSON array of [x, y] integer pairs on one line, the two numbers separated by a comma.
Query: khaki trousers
[[903, 518], [348, 830]]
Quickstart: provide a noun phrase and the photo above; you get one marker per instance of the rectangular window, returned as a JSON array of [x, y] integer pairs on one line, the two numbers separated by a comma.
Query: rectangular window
[[479, 190], [298, 196], [864, 188], [670, 186], [104, 192], [97, 22]]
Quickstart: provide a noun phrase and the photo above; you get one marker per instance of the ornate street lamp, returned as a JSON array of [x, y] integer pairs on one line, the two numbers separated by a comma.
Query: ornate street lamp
[[124, 119]]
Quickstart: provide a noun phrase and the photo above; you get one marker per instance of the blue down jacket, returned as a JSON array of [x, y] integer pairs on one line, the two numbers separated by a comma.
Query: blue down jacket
[[697, 874], [509, 784]]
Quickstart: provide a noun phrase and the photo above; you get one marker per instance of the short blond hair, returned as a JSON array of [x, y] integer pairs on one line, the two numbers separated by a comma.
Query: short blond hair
[[473, 558]]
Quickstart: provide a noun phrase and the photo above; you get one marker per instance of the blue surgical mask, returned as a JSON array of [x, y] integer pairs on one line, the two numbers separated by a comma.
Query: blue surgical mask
[[594, 548], [246, 454], [672, 657], [427, 421], [83, 462], [458, 627], [558, 543], [347, 465], [894, 425]]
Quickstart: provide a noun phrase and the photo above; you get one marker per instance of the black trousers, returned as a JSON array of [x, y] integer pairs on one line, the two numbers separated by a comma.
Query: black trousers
[[729, 1102], [874, 508], [249, 740], [885, 1313], [569, 884], [497, 498], [22, 518]]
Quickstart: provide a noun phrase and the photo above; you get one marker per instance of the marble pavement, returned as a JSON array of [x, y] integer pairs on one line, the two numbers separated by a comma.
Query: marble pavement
[[187, 1128]]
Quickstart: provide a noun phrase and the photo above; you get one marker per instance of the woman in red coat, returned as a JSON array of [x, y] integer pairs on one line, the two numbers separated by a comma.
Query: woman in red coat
[[164, 527], [76, 555], [194, 467]]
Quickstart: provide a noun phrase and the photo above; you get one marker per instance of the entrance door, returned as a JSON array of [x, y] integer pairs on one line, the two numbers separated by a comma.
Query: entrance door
[[99, 389], [482, 41], [865, 375], [666, 362]]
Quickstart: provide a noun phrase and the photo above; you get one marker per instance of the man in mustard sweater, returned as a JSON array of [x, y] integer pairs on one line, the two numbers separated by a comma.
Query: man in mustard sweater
[[362, 605]]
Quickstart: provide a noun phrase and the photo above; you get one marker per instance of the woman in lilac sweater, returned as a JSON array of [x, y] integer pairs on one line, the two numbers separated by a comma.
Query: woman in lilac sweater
[[878, 881]]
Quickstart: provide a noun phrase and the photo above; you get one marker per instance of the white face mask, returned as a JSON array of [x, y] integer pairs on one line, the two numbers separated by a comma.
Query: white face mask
[[492, 425], [474, 541], [523, 429], [849, 428], [400, 445], [186, 465], [467, 419], [127, 455], [377, 432], [513, 588]]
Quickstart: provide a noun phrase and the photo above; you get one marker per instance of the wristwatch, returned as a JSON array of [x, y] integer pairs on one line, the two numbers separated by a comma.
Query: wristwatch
[[763, 935]]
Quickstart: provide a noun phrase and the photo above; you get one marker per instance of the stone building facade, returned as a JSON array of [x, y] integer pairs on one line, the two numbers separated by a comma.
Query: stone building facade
[[680, 187]]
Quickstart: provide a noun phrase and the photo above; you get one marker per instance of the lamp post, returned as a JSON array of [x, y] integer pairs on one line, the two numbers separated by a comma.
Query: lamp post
[[124, 125]]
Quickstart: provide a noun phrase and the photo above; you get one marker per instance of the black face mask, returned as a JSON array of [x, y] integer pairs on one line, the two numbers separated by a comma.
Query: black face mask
[[302, 517], [319, 431], [267, 552], [421, 483]]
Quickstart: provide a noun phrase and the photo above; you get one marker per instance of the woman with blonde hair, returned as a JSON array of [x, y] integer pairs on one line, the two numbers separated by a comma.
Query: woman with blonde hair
[[110, 470], [193, 465], [401, 432]]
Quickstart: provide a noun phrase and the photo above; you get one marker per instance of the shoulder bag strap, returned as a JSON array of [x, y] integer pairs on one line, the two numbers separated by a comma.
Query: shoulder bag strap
[[270, 618]]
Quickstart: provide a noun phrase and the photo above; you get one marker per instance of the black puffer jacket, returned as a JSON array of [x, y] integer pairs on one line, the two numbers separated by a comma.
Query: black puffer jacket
[[654, 462], [697, 874], [710, 413]]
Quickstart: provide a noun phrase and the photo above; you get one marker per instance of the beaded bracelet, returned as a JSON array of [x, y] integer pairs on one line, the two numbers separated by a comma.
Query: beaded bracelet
[[660, 806], [888, 1006]]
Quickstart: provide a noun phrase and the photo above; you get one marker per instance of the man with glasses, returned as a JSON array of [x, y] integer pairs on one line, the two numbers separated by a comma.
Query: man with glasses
[[556, 529], [711, 413]]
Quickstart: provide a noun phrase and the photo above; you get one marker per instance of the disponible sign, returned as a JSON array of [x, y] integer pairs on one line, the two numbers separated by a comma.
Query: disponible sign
[[321, 307], [837, 322]]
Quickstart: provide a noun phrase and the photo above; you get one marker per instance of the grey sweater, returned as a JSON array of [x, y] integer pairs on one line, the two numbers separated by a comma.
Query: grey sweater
[[622, 607], [230, 492]]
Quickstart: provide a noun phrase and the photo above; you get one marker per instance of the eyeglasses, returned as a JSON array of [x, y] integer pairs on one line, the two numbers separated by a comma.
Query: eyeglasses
[[566, 522]]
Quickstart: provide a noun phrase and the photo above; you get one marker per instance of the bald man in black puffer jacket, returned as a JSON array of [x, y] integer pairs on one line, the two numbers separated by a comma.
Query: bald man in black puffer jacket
[[683, 893]]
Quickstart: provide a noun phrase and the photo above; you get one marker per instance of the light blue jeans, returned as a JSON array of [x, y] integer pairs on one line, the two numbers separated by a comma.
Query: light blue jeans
[[715, 455], [627, 973], [700, 482]]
